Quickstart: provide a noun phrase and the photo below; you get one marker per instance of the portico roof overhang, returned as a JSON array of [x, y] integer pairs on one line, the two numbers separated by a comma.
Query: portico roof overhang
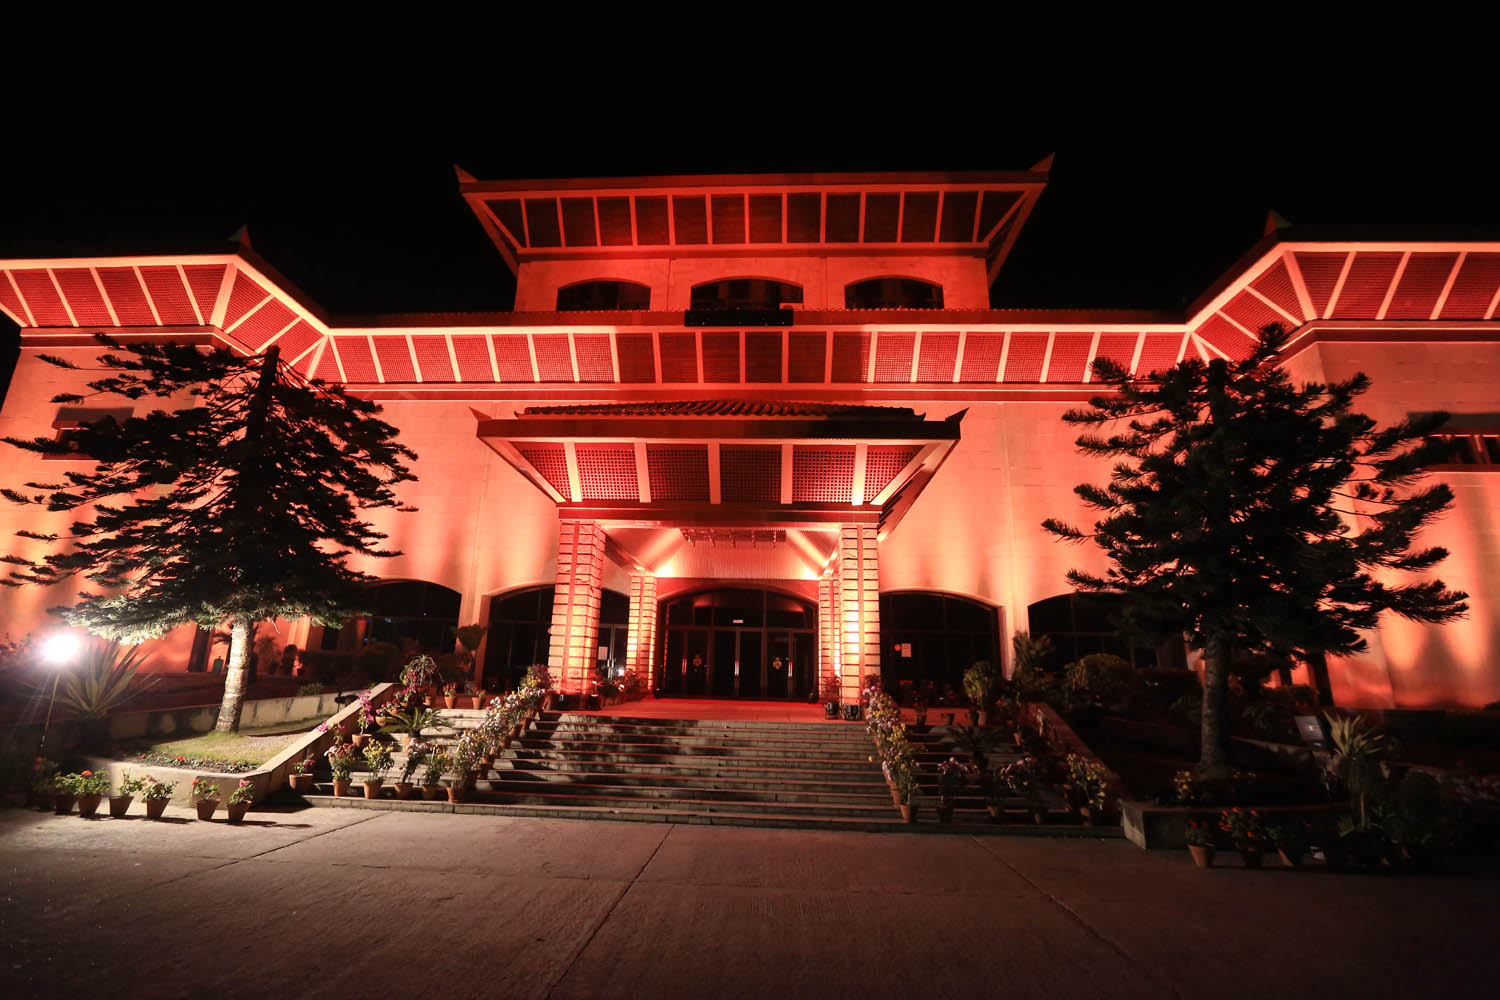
[[725, 464]]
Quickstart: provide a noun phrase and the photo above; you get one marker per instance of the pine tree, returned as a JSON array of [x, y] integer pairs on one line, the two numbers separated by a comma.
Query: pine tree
[[1251, 514], [242, 506]]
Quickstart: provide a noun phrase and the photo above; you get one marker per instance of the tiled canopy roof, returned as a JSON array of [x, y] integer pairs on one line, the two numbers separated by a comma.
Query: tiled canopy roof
[[723, 408]]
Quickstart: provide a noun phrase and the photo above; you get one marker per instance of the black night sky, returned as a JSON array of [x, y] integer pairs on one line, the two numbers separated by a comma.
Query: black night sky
[[339, 159]]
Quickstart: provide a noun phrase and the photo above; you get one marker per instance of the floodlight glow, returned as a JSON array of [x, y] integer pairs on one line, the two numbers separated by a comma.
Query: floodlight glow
[[61, 647]]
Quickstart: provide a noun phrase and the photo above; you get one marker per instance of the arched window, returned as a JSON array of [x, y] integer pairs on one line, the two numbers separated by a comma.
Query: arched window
[[745, 293], [412, 615], [931, 639], [586, 296], [1080, 624], [893, 293], [520, 632]]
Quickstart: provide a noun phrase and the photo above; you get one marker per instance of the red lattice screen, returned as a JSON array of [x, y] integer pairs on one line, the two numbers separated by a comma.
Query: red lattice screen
[[594, 361], [679, 357], [851, 357], [551, 460], [473, 358], [935, 359], [129, 299], [893, 357], [607, 472], [77, 284], [678, 472], [1253, 314], [762, 357], [1474, 288], [637, 363], [805, 356], [432, 358], [982, 357], [721, 357], [750, 473], [395, 359], [822, 474], [513, 357], [554, 361], [171, 297], [882, 463], [1024, 362], [1276, 285]]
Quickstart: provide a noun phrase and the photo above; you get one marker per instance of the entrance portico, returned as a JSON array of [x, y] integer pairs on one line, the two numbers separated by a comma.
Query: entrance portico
[[733, 497]]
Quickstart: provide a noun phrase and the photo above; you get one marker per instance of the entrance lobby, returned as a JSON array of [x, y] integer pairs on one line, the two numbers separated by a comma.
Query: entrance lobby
[[739, 643]]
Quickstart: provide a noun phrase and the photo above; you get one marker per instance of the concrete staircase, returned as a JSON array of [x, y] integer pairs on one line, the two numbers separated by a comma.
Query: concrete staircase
[[743, 773]]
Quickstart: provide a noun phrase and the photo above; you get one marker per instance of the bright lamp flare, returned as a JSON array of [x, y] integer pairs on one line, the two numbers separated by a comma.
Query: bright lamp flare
[[61, 647]]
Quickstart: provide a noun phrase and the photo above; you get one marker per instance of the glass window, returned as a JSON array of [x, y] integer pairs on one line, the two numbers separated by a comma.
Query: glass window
[[893, 293], [1080, 624], [745, 293], [587, 296], [928, 640]]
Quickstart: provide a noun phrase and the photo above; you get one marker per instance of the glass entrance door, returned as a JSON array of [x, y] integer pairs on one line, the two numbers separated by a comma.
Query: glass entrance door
[[738, 643]]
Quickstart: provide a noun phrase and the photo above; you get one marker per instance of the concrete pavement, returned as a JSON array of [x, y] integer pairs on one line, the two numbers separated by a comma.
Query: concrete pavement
[[344, 903]]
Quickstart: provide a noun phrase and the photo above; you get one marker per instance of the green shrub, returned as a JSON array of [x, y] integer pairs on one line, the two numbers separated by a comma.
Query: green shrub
[[1100, 678]]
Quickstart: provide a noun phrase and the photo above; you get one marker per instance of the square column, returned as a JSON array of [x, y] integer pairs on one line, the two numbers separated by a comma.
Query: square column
[[830, 652], [640, 643], [574, 650], [859, 607]]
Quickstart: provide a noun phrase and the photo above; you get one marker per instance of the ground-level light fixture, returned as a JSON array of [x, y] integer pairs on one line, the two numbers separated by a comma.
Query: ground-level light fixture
[[60, 650]]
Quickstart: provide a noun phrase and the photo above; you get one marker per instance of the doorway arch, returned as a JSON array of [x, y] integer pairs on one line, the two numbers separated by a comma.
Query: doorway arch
[[738, 642]]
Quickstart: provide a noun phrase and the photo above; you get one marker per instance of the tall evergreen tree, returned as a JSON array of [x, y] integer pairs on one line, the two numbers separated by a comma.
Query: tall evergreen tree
[[1251, 514], [242, 506]]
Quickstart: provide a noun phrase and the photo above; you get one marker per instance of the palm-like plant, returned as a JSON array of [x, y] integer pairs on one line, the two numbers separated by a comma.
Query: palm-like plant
[[101, 683]]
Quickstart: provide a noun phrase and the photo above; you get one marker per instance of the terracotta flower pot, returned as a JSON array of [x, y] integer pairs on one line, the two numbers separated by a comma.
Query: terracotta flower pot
[[300, 782], [982, 718], [382, 721], [1203, 855], [406, 739], [206, 808], [457, 793], [431, 793], [996, 813], [119, 805], [1038, 816], [62, 803], [340, 786], [1290, 856], [480, 699], [403, 789], [155, 808], [236, 811], [88, 805], [895, 799], [372, 789], [450, 701], [908, 813], [360, 739]]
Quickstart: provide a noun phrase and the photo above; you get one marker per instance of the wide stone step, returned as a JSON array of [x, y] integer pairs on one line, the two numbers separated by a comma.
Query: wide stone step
[[832, 780], [669, 756], [510, 783], [708, 803], [652, 735]]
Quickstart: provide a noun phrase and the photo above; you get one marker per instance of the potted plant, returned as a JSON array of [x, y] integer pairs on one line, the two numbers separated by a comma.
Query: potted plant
[[156, 795], [1289, 835], [378, 758], [979, 684], [461, 764], [205, 797], [300, 778], [416, 752], [832, 693], [130, 787], [435, 763], [905, 781], [1244, 828], [953, 774], [1200, 841], [90, 788], [1088, 784], [450, 695], [341, 762], [240, 799], [63, 795], [407, 724]]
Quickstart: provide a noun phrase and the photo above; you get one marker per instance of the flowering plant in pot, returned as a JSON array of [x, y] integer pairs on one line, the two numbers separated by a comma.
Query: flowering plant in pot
[[1290, 836], [434, 764], [1200, 841], [953, 775], [1089, 783], [300, 777], [904, 780], [129, 788], [341, 760], [1023, 777], [463, 761], [1246, 831], [240, 799], [450, 695], [156, 795], [89, 788], [205, 796], [378, 760], [416, 752]]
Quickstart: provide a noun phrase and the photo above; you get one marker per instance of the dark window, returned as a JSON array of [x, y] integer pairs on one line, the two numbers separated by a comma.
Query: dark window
[[745, 293], [893, 293], [1080, 624], [72, 425], [587, 296], [520, 629], [929, 640], [1471, 448], [738, 643], [415, 616]]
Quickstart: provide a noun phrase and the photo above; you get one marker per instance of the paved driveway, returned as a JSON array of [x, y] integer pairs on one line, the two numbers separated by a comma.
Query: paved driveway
[[346, 903]]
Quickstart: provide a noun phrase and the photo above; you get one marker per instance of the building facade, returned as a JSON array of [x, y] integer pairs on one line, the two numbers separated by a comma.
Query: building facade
[[744, 433]]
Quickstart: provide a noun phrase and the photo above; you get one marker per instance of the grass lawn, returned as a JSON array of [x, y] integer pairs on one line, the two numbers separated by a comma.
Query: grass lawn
[[256, 744]]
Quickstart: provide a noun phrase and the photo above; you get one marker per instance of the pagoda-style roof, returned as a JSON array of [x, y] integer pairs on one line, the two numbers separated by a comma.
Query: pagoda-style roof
[[967, 212], [725, 461]]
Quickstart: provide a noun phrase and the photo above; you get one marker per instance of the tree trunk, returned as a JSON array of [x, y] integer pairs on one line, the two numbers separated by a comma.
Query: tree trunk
[[241, 633], [1317, 667], [1214, 751]]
